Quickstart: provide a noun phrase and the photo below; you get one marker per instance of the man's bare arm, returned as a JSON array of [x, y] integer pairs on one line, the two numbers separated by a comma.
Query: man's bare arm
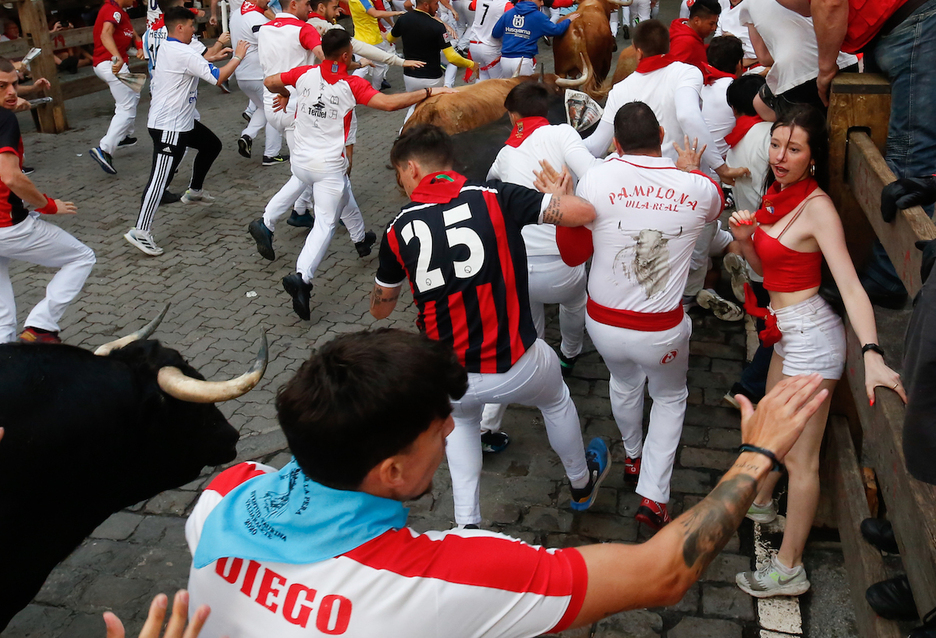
[[383, 300], [397, 101], [659, 572], [564, 208], [830, 20]]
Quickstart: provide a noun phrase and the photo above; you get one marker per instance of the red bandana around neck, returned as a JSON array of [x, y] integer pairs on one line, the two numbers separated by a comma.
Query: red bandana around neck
[[653, 63], [438, 188], [779, 203], [333, 71], [744, 124], [523, 128], [711, 74]]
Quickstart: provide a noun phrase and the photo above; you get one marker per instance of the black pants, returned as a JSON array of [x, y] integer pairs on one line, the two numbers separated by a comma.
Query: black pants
[[168, 151]]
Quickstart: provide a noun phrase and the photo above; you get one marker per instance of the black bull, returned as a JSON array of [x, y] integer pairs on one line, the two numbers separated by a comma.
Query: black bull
[[87, 436]]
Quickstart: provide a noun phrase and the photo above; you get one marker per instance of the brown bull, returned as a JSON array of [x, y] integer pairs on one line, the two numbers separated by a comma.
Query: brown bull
[[472, 106], [626, 64], [584, 50]]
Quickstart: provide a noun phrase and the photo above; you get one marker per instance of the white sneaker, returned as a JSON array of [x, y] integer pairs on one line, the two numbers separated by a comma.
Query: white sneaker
[[143, 240], [199, 197], [763, 514], [720, 307], [769, 581], [737, 269]]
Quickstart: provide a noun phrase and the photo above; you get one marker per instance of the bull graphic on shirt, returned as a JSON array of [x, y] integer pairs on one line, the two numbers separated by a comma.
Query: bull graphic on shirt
[[648, 261]]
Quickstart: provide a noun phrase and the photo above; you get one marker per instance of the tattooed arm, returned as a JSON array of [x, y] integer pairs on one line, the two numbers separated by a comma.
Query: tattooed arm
[[657, 573], [383, 300], [563, 208]]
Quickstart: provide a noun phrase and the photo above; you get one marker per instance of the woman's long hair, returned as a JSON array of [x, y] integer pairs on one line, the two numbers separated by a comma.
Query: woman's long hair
[[811, 120]]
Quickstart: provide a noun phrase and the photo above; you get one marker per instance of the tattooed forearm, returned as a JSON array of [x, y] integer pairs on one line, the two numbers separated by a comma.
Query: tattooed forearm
[[553, 214], [378, 296], [712, 522]]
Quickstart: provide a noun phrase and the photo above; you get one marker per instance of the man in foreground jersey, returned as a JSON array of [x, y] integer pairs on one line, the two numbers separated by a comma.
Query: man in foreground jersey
[[323, 543]]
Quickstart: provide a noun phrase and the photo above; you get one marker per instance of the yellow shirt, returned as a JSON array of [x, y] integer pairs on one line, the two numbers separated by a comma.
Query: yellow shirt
[[365, 26]]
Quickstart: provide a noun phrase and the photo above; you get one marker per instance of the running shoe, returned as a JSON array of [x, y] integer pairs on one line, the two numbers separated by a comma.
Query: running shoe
[[36, 335], [363, 247], [273, 161], [103, 159], [192, 196], [305, 220], [762, 514], [127, 141], [143, 240], [720, 307], [494, 442], [28, 170], [246, 116], [773, 580], [244, 146], [737, 270], [631, 469], [652, 514], [264, 238], [567, 364], [599, 462], [301, 294]]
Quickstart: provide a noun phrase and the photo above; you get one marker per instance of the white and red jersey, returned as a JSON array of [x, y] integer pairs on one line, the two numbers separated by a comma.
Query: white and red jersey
[[648, 216], [401, 583], [326, 97], [560, 145], [487, 13], [245, 25], [286, 42]]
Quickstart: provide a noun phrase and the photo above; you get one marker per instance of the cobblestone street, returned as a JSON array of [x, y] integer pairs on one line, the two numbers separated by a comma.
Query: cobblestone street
[[222, 294]]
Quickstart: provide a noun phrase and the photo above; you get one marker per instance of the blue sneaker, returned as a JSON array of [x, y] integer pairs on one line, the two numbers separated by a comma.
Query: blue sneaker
[[104, 159], [599, 462]]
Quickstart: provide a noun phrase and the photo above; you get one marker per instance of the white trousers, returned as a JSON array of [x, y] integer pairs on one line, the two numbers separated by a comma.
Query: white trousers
[[377, 72], [39, 242], [414, 84], [488, 59], [333, 198], [509, 66], [640, 12], [535, 380], [712, 241], [660, 359], [126, 99], [273, 141]]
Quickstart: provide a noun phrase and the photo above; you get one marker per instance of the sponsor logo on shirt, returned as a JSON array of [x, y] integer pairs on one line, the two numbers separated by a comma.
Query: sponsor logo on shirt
[[117, 16]]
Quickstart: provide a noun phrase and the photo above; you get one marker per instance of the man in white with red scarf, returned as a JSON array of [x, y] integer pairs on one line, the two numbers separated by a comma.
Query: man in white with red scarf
[[649, 214]]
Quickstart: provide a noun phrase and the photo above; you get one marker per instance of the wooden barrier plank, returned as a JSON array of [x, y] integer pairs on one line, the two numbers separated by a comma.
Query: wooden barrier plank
[[864, 565], [33, 20], [17, 48], [910, 503], [84, 36], [92, 84], [868, 173]]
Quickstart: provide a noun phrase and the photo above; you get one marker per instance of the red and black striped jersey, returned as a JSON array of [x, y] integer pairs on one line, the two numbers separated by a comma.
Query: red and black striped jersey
[[460, 246], [12, 210]]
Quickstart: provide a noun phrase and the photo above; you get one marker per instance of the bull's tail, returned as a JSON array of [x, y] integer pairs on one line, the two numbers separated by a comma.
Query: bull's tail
[[600, 92]]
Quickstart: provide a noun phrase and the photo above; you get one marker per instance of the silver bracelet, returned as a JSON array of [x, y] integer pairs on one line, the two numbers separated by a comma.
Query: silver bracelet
[[238, 58]]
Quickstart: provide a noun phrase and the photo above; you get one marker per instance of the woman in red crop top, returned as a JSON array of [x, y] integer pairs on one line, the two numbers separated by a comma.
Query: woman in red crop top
[[785, 241]]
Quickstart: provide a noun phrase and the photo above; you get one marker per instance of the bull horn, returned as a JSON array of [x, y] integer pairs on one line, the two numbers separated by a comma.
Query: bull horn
[[516, 72], [176, 384], [542, 77], [142, 333], [566, 83]]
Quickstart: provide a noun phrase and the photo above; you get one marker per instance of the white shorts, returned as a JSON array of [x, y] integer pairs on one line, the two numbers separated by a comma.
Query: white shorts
[[813, 339]]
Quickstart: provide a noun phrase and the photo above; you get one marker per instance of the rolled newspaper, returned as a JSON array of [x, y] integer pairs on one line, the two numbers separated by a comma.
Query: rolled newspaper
[[134, 80], [581, 110], [224, 16]]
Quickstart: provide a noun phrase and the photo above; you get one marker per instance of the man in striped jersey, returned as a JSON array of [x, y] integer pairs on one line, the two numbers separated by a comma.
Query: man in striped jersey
[[322, 546], [461, 248]]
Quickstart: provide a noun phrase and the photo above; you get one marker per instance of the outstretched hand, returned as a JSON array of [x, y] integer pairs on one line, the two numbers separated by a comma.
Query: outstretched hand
[[549, 180], [157, 612], [906, 193], [690, 156]]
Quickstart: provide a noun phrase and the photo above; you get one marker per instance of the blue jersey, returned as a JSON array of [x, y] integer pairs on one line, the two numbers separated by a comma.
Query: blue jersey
[[520, 29]]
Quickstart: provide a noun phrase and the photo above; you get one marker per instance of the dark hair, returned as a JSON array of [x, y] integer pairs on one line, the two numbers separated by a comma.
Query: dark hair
[[704, 9], [812, 121], [315, 4], [651, 37], [636, 128], [165, 5], [364, 397], [528, 99], [741, 93], [6, 66], [725, 52], [334, 42], [177, 15], [425, 142]]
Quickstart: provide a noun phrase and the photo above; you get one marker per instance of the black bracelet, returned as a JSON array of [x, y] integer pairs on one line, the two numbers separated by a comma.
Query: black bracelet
[[777, 465], [428, 93], [872, 346]]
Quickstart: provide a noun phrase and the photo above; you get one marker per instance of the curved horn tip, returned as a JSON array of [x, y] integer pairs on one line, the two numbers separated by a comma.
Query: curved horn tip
[[143, 333], [263, 356]]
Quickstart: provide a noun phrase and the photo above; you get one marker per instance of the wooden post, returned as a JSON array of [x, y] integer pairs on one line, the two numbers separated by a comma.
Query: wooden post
[[33, 20]]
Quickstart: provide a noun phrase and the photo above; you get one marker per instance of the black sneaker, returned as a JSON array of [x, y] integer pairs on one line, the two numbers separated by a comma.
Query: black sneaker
[[471, 526], [246, 116], [127, 141], [494, 442], [225, 86], [737, 388], [244, 146], [28, 170], [264, 238], [567, 364], [305, 220], [169, 198], [385, 85], [276, 159], [363, 247], [301, 294], [625, 31]]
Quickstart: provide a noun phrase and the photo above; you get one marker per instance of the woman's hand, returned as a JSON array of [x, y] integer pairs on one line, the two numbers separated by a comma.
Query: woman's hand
[[742, 225], [878, 374]]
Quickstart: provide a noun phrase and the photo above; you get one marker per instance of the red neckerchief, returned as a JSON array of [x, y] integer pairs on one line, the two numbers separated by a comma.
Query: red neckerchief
[[778, 203], [745, 122], [333, 71], [313, 14], [247, 6], [438, 188], [523, 128], [771, 333], [711, 74], [653, 63]]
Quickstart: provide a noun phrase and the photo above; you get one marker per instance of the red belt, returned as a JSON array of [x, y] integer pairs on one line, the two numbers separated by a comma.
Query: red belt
[[771, 333], [642, 321]]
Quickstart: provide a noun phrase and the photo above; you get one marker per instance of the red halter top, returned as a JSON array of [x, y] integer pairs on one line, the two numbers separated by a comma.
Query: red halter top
[[785, 269]]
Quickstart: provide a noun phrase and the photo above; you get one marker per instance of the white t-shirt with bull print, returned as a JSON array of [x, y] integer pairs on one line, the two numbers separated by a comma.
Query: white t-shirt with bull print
[[648, 216]]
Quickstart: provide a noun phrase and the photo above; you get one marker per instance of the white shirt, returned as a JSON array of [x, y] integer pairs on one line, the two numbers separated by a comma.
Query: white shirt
[[285, 43], [559, 145], [751, 152], [245, 24], [729, 22], [717, 114], [360, 48], [648, 217], [791, 40], [153, 38], [175, 86], [326, 97], [487, 13]]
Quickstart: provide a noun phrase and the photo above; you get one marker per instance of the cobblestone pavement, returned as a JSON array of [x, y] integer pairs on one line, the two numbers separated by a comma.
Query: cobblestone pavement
[[222, 294]]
